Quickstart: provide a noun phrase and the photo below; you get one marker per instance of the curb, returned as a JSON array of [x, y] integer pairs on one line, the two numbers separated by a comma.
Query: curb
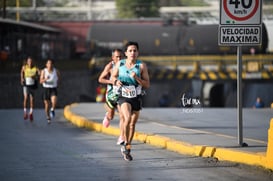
[[249, 158]]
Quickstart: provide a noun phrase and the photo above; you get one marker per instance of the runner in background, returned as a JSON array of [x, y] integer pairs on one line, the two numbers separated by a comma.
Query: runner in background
[[50, 78], [29, 81], [111, 97]]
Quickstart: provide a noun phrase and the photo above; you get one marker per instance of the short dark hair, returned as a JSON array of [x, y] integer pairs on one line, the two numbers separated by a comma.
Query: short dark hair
[[116, 50], [129, 43], [50, 59]]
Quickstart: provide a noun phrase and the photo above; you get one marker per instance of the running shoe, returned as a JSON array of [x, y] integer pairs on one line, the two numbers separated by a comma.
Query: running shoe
[[120, 140], [106, 121], [126, 153], [52, 113], [48, 121], [128, 156], [31, 117], [25, 116]]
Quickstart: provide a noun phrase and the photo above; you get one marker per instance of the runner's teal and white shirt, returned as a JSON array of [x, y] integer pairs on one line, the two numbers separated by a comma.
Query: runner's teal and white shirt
[[130, 88]]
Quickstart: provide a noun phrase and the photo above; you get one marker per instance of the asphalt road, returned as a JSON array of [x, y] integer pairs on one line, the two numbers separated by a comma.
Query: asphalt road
[[60, 151]]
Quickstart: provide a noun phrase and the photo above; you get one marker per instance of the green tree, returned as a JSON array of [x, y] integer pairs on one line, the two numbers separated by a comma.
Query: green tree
[[137, 8]]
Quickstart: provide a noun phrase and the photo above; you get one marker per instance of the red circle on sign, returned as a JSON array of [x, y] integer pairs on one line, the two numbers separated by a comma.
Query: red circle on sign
[[241, 18]]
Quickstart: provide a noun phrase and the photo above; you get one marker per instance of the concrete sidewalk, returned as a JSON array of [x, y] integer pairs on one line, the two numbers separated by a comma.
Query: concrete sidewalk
[[152, 129]]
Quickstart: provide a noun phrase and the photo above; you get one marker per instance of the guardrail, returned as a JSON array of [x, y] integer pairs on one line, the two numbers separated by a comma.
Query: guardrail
[[251, 63]]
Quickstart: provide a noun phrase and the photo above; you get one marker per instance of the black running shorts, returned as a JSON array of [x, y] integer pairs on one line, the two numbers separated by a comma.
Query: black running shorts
[[49, 92], [136, 102]]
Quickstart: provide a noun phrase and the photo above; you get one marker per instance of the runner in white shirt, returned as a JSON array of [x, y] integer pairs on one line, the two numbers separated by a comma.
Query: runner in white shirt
[[50, 78]]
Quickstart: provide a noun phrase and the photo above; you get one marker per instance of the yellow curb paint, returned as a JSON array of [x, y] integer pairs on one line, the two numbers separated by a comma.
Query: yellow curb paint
[[80, 121], [240, 157], [269, 153], [157, 140], [96, 127], [141, 137], [67, 113], [89, 125], [205, 151], [180, 147], [261, 159]]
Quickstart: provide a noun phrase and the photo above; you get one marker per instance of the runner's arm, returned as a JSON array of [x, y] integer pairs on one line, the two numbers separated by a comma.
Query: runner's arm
[[42, 77], [38, 71], [114, 76], [144, 79], [22, 74], [59, 76], [104, 76]]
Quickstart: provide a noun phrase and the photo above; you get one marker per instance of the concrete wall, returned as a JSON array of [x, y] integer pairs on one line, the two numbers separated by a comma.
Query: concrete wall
[[81, 87], [173, 89], [74, 87], [224, 94]]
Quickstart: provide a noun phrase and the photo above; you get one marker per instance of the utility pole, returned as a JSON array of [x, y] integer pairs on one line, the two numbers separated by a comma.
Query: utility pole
[[18, 11]]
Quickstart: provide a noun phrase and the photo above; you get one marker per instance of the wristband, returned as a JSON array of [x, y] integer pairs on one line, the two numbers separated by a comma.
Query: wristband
[[115, 82]]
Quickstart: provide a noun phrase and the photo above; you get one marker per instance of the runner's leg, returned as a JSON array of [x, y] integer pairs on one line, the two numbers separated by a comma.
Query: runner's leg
[[53, 101], [132, 125], [109, 115], [126, 110], [121, 123], [46, 103], [31, 103], [25, 92]]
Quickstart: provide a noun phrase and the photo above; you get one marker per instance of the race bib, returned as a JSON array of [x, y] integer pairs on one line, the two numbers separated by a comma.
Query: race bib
[[30, 81], [128, 91]]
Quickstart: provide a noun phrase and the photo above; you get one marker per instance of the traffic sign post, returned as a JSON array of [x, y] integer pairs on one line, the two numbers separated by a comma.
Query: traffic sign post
[[240, 25], [240, 22], [240, 12], [239, 98], [234, 35]]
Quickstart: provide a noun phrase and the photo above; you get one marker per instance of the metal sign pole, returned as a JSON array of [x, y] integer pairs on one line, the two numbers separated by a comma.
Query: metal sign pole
[[239, 96], [234, 17]]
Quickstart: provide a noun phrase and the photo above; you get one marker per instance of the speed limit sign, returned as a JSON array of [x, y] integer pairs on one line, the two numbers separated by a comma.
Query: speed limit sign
[[240, 12], [240, 22]]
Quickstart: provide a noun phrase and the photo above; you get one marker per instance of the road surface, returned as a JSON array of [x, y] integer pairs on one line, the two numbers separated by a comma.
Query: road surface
[[60, 151]]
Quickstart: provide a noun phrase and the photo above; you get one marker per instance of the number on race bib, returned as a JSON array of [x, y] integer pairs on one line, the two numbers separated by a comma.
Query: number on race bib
[[128, 91]]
